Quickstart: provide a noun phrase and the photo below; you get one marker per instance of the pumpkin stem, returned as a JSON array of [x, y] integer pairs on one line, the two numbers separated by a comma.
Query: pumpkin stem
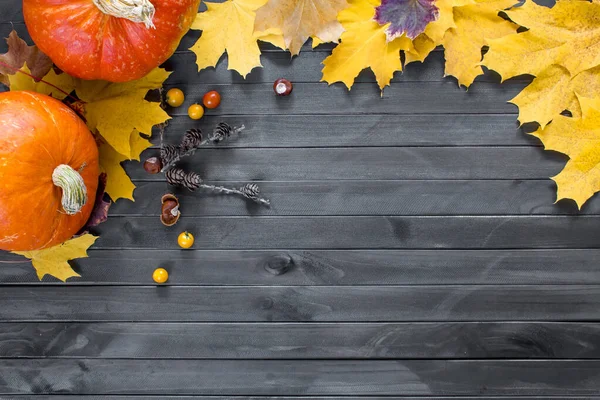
[[74, 190], [133, 10]]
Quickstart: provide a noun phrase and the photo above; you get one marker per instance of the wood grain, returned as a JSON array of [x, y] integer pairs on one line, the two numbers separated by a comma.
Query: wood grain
[[325, 267], [329, 397], [301, 303], [361, 130], [301, 341], [358, 232], [408, 197], [283, 377], [385, 163]]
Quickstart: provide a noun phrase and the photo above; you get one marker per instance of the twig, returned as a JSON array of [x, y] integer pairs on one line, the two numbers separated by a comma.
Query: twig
[[224, 190], [180, 156], [210, 139]]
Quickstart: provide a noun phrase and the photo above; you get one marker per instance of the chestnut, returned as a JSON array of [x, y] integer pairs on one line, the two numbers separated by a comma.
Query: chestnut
[[282, 87], [153, 165], [170, 210]]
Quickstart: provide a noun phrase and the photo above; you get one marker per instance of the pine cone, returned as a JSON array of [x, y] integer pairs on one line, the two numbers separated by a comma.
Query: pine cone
[[168, 153], [192, 139], [250, 190], [175, 176], [192, 181], [222, 131]]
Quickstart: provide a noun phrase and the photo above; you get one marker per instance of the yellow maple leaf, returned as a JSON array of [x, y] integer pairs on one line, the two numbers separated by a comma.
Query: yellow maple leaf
[[560, 48], [21, 81], [300, 19], [553, 91], [422, 46], [436, 30], [273, 36], [578, 138], [364, 45], [118, 183], [463, 28], [138, 144], [228, 27], [117, 109], [475, 24], [55, 260]]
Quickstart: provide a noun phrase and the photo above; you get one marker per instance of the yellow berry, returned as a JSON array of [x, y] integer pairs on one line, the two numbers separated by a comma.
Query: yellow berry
[[160, 275], [196, 111], [175, 97], [185, 240]]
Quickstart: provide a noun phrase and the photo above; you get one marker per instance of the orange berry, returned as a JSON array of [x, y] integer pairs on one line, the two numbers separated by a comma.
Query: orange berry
[[195, 111], [212, 99], [185, 240], [160, 275], [175, 97]]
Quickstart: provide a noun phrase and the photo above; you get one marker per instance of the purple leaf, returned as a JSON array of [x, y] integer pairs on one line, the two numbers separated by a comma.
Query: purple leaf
[[406, 16], [100, 212]]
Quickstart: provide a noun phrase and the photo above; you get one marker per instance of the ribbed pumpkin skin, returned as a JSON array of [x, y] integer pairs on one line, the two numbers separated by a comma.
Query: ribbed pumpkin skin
[[38, 133], [88, 44]]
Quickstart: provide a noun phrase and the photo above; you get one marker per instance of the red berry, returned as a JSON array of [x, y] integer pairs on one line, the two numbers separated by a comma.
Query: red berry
[[212, 99]]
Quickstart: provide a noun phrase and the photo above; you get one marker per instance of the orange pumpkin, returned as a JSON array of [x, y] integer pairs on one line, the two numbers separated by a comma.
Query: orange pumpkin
[[113, 40], [48, 171]]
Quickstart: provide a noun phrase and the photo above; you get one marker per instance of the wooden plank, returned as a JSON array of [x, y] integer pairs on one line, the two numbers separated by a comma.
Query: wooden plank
[[365, 198], [473, 232], [283, 377], [364, 98], [301, 303], [324, 267], [504, 340], [329, 397], [361, 130], [11, 11], [386, 163]]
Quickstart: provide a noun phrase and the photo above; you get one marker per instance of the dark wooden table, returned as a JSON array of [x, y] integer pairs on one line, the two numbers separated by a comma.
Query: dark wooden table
[[413, 250]]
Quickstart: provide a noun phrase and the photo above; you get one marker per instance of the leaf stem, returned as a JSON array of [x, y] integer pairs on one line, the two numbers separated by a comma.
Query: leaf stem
[[35, 78]]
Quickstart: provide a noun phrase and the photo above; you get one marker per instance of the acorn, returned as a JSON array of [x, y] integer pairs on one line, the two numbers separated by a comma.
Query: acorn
[[282, 87], [170, 210], [153, 165]]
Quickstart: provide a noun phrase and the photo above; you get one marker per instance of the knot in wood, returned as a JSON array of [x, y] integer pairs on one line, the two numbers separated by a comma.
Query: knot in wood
[[266, 303], [279, 264]]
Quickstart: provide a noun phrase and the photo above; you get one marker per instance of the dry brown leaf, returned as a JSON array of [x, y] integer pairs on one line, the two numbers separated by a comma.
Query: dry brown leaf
[[20, 53], [300, 19]]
